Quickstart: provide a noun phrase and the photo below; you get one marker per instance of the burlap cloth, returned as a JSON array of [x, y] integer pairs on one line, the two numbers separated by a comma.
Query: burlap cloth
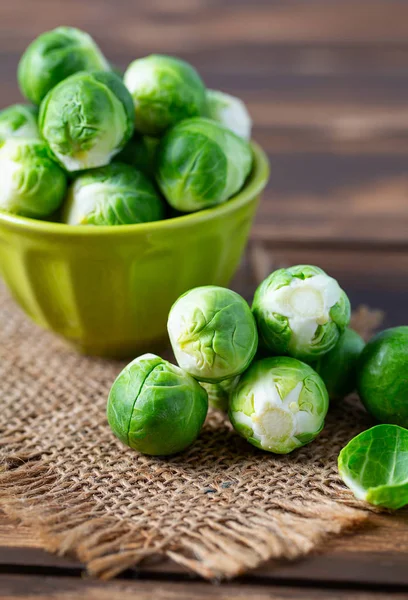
[[220, 508]]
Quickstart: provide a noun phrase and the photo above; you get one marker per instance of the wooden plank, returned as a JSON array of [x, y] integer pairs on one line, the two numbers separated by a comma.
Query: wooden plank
[[351, 568], [151, 25], [64, 588], [376, 555], [327, 196], [374, 270]]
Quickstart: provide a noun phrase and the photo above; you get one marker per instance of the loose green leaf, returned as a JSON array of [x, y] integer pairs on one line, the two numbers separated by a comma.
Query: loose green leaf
[[374, 465]]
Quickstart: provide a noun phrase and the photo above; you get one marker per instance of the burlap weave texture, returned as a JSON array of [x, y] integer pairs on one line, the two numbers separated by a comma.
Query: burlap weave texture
[[220, 508]]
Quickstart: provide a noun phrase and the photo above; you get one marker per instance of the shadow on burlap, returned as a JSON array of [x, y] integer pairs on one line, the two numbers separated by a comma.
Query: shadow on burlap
[[220, 508]]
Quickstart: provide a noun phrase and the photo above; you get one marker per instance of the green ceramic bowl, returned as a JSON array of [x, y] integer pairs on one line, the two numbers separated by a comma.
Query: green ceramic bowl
[[108, 290]]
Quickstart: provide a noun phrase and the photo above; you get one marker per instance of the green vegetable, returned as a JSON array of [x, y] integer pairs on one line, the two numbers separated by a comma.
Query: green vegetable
[[213, 333], [113, 195], [19, 120], [279, 404], [374, 465], [382, 378], [140, 152], [230, 112], [200, 164], [338, 368], [219, 393], [155, 407], [31, 183], [165, 90], [54, 56], [300, 312], [87, 119]]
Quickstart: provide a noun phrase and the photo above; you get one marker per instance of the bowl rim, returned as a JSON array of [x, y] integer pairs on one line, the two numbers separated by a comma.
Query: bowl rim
[[254, 185]]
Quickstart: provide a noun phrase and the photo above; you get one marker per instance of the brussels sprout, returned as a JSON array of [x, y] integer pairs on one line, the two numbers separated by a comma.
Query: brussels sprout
[[54, 56], [382, 376], [374, 465], [140, 152], [155, 407], [279, 404], [219, 393], [31, 183], [213, 333], [338, 368], [230, 112], [300, 312], [200, 163], [20, 121], [113, 195], [87, 119], [165, 90]]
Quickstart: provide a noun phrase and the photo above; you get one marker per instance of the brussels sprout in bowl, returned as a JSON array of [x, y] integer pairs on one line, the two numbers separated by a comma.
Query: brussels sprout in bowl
[[54, 56], [165, 90], [230, 112], [201, 163], [19, 120], [113, 195], [87, 119], [32, 183], [108, 290]]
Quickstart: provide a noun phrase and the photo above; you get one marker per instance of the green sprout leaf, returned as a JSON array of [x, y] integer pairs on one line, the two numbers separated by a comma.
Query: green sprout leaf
[[155, 407], [382, 376], [200, 164], [32, 184], [219, 393], [230, 112], [279, 404], [165, 90], [213, 333], [374, 465], [54, 56], [19, 120], [87, 119], [300, 312], [113, 195], [338, 368]]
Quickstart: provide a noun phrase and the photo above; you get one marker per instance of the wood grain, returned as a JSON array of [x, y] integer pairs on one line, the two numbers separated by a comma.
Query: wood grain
[[64, 588], [326, 83], [327, 86]]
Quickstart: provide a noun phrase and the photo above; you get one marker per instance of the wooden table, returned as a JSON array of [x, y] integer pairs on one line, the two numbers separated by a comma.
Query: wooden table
[[327, 84]]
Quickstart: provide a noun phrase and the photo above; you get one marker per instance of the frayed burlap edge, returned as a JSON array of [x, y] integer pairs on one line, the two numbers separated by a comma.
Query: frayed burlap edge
[[74, 525]]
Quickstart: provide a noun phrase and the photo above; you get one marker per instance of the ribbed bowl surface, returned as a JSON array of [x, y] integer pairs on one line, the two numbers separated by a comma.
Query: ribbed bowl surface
[[108, 290]]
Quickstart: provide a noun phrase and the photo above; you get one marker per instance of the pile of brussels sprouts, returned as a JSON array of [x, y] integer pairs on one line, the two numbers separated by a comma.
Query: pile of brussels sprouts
[[96, 148], [274, 369]]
